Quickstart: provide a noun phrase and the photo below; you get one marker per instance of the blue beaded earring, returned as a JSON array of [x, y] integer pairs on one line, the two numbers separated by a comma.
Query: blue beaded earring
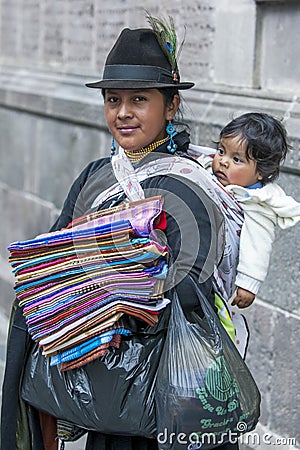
[[112, 147], [170, 129]]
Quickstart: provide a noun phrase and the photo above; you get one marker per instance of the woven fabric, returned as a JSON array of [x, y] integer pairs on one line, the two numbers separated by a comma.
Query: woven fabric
[[76, 285]]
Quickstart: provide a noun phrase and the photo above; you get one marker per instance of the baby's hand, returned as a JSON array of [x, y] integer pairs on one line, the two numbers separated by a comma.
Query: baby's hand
[[243, 298]]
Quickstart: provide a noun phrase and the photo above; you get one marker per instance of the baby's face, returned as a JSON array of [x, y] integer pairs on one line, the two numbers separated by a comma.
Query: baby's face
[[231, 166]]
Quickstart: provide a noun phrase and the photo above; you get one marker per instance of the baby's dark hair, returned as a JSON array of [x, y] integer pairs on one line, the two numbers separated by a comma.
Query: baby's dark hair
[[266, 141]]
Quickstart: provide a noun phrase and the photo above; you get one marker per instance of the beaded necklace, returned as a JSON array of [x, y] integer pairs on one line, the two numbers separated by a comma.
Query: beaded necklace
[[136, 155]]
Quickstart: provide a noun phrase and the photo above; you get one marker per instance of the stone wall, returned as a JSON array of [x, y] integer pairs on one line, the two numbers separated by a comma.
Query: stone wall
[[243, 56]]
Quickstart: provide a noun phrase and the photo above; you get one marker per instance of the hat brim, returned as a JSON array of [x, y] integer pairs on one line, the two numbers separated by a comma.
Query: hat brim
[[134, 84]]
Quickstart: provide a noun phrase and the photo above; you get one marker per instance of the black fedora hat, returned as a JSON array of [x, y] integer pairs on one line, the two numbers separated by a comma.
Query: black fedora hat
[[138, 61]]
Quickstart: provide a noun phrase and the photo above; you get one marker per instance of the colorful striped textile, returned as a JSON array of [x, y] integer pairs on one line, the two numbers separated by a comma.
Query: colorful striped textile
[[77, 286]]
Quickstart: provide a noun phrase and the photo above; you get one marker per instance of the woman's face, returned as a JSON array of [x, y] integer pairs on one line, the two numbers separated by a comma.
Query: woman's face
[[137, 117]]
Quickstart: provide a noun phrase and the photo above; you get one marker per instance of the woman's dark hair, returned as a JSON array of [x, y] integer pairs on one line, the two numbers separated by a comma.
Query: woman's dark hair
[[168, 94], [266, 141]]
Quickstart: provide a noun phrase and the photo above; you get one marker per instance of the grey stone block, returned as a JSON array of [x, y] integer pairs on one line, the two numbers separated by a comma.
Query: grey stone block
[[17, 131], [25, 217], [199, 39], [284, 386], [3, 95], [260, 353], [3, 331], [290, 183], [3, 338], [6, 299], [282, 283], [235, 37], [9, 27], [30, 33], [79, 34], [64, 150], [21, 99], [272, 359], [280, 49], [70, 110], [53, 42]]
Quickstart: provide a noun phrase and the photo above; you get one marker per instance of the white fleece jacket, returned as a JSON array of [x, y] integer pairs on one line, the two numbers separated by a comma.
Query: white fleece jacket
[[264, 209]]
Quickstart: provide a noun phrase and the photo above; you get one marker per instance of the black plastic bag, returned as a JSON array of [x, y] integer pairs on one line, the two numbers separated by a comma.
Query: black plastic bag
[[114, 394], [205, 394]]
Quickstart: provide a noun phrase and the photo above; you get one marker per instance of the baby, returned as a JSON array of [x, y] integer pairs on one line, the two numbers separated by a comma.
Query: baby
[[247, 160]]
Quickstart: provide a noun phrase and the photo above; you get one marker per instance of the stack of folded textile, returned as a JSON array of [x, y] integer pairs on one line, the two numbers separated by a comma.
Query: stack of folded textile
[[78, 286]]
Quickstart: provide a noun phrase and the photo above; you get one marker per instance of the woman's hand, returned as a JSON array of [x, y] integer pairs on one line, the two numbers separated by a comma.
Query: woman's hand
[[243, 298]]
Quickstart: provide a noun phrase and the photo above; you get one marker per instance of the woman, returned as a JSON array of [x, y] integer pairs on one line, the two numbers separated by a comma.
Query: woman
[[140, 86]]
